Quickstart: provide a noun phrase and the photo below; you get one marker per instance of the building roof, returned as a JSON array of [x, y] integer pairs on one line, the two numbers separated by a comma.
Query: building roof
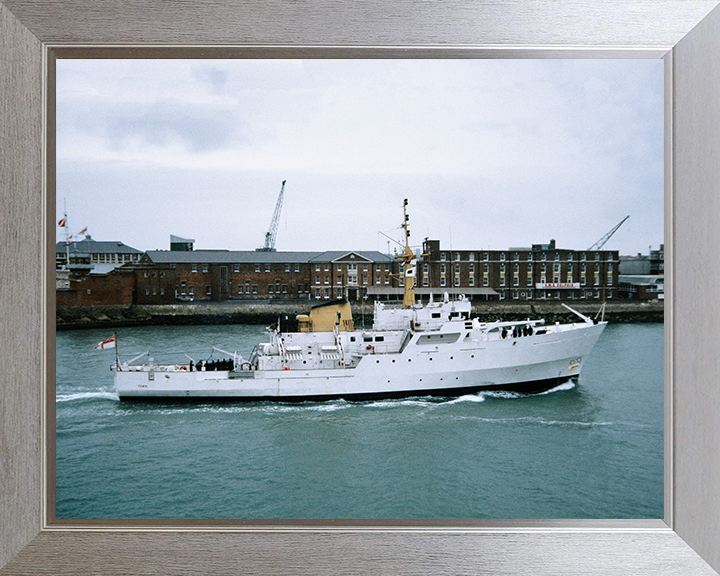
[[90, 246], [343, 255], [228, 257], [261, 257], [641, 279]]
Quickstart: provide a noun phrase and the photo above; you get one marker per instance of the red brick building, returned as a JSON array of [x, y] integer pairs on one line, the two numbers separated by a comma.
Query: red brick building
[[541, 272], [167, 276]]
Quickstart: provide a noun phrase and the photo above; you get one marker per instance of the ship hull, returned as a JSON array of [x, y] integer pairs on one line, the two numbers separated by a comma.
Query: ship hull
[[532, 364]]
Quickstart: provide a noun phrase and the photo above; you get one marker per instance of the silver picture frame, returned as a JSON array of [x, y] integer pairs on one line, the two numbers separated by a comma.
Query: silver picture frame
[[686, 33]]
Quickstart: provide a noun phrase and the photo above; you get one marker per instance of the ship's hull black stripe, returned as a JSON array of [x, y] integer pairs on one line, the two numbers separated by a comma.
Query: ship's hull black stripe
[[533, 387]]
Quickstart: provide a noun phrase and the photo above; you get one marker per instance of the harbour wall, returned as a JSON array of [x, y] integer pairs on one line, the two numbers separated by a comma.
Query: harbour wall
[[267, 312]]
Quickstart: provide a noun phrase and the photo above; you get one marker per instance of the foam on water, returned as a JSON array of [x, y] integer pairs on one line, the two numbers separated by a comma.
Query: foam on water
[[86, 396]]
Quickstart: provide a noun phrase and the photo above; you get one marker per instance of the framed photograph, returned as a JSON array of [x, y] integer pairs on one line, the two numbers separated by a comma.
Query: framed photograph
[[684, 541]]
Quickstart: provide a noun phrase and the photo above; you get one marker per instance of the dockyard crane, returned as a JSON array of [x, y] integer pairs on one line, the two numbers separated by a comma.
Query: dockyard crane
[[600, 243], [271, 234]]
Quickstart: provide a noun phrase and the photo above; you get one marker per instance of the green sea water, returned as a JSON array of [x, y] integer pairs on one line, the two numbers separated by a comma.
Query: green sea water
[[591, 449]]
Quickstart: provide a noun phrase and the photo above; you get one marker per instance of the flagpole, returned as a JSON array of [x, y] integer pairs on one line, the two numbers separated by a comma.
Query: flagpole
[[117, 361]]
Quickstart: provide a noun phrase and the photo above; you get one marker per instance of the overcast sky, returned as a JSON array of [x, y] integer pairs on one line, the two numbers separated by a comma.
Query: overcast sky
[[489, 153]]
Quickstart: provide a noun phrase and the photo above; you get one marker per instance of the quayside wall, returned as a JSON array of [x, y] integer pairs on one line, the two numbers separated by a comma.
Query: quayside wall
[[267, 312]]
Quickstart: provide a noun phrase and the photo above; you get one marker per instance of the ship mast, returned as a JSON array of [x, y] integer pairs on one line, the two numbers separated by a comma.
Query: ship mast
[[408, 258]]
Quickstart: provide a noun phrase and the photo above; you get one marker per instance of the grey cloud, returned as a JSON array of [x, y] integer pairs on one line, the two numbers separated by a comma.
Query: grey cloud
[[215, 78], [199, 129]]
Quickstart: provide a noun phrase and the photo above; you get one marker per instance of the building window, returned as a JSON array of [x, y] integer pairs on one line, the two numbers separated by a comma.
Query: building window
[[147, 274], [339, 280], [208, 290], [529, 280], [365, 280], [516, 256], [339, 267], [377, 279], [162, 291], [154, 291], [327, 292], [515, 294], [442, 280], [147, 292], [543, 257], [317, 267], [472, 269], [270, 289], [471, 281], [557, 257], [442, 268], [317, 279], [377, 267], [204, 267], [387, 279], [582, 279], [426, 281], [457, 257], [457, 269], [297, 267], [318, 292], [516, 267], [502, 256], [182, 288], [583, 256], [597, 255], [502, 280], [162, 274], [327, 267], [267, 268], [257, 267], [485, 256], [502, 268], [486, 282], [327, 279], [556, 267], [287, 267], [485, 268], [442, 257], [516, 281], [542, 280], [236, 268], [365, 267], [471, 256], [254, 289], [240, 289], [457, 280], [339, 293]]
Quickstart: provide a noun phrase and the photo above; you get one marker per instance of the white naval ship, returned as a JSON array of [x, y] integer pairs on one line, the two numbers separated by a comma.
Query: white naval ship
[[433, 349]]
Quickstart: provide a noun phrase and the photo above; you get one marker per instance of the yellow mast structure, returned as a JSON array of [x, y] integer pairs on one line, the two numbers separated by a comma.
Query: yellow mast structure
[[408, 257]]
